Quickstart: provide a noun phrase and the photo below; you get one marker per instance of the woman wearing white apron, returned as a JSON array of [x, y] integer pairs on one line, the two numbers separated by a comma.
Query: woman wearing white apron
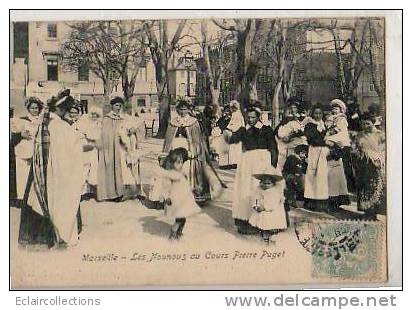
[[316, 192], [259, 151]]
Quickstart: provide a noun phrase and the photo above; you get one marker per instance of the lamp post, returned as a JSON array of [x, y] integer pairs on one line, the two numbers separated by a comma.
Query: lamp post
[[188, 58]]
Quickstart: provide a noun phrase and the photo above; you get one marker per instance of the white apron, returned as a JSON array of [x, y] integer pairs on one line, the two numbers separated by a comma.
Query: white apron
[[251, 162], [316, 178]]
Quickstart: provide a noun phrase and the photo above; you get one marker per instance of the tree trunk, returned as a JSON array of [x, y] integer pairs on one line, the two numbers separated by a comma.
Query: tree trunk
[[339, 66], [107, 91], [164, 115], [275, 104], [215, 92]]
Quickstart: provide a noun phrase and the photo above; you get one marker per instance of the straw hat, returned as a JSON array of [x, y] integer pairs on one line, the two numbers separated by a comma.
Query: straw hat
[[271, 173]]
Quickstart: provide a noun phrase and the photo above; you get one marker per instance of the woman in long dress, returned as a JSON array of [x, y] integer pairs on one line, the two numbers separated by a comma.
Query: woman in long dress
[[184, 131], [236, 122], [110, 184], [316, 191], [55, 181], [259, 151], [25, 128], [337, 139], [370, 169], [217, 142]]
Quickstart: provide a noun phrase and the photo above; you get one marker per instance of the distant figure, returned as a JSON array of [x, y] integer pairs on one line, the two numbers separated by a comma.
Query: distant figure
[[218, 145], [236, 122]]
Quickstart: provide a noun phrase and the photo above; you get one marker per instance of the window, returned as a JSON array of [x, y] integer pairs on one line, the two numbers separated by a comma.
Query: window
[[52, 30], [182, 89], [52, 70], [141, 102], [371, 85], [142, 74], [83, 73], [84, 105]]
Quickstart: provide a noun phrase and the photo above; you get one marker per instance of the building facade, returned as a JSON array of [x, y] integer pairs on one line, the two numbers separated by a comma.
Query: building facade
[[44, 75]]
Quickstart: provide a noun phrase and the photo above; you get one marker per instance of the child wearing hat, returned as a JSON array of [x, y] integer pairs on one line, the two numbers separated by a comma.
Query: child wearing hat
[[268, 214]]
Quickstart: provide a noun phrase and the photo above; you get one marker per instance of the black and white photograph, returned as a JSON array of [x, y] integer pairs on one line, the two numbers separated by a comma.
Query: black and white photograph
[[198, 151]]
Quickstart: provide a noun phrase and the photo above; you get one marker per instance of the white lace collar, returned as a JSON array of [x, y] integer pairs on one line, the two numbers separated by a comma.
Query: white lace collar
[[186, 121], [258, 125]]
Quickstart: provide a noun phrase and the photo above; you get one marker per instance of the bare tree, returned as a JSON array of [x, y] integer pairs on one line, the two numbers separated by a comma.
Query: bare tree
[[90, 44], [130, 50], [162, 50], [217, 61], [250, 36]]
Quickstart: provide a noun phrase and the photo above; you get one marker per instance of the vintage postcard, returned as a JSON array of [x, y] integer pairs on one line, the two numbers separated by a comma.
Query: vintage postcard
[[223, 151]]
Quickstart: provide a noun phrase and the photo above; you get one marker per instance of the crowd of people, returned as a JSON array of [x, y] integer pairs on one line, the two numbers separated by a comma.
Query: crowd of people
[[315, 158]]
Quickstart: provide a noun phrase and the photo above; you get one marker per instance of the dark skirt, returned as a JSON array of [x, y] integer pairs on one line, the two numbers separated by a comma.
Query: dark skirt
[[35, 228], [337, 201], [370, 187], [198, 180]]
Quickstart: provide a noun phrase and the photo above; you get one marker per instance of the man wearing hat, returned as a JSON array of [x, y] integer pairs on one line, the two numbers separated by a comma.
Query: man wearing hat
[[56, 178]]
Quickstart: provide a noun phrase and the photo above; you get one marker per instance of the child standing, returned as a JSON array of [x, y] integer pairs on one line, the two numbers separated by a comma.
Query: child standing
[[269, 214], [180, 202], [294, 172]]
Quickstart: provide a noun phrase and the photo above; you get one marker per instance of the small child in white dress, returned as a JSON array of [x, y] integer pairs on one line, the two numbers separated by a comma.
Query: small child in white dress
[[180, 202], [269, 214]]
